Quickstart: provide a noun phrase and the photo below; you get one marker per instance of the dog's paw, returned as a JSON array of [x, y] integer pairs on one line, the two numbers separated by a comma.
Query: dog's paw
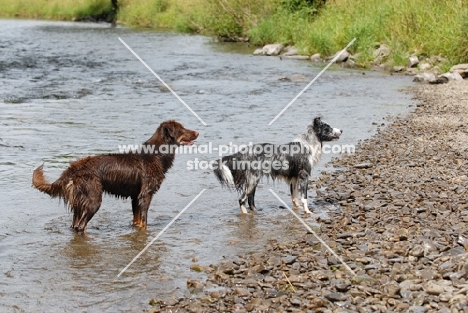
[[243, 209]]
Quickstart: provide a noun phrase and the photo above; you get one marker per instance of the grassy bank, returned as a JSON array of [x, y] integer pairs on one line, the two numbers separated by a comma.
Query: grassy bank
[[222, 18], [55, 9], [423, 28], [419, 27]]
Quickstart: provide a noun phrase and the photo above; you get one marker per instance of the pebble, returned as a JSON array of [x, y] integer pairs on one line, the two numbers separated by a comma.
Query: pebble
[[336, 296], [289, 259], [417, 309], [433, 289]]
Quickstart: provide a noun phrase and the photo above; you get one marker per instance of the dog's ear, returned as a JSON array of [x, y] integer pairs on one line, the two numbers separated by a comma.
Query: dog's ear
[[317, 121], [169, 130]]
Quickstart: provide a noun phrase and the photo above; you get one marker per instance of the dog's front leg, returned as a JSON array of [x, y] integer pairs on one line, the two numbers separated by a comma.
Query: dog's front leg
[[305, 204], [303, 184], [293, 189], [141, 214], [242, 200]]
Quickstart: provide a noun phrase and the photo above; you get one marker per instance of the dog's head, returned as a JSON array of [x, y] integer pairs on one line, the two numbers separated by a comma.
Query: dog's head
[[323, 131], [173, 132]]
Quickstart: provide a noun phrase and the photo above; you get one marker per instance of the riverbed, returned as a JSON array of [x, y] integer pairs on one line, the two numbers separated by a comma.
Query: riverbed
[[69, 90]]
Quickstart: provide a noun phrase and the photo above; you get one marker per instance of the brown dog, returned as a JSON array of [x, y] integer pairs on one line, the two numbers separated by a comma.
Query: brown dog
[[134, 175]]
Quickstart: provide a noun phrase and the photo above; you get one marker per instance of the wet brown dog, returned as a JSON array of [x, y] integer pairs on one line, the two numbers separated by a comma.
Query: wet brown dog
[[134, 175]]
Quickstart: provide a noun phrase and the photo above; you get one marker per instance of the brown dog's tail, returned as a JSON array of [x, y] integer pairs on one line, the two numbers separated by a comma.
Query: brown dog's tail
[[41, 183]]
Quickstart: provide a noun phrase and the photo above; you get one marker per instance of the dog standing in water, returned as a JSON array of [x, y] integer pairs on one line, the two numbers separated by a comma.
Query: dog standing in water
[[135, 175], [291, 162]]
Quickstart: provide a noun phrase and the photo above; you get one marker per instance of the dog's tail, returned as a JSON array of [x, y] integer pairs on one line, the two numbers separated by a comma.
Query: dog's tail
[[224, 175], [40, 183]]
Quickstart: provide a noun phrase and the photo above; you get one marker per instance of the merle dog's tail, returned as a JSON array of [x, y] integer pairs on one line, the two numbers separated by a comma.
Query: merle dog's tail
[[224, 175]]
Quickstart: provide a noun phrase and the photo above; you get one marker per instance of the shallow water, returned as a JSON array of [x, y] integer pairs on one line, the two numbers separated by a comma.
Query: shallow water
[[69, 90]]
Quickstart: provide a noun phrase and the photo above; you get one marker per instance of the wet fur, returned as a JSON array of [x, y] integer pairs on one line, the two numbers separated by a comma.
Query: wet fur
[[296, 175], [138, 176]]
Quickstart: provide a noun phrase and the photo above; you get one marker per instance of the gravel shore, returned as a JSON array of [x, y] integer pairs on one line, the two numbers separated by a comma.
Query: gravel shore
[[401, 225]]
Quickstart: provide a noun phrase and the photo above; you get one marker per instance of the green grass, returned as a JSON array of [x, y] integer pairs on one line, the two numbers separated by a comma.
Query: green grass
[[53, 9], [423, 28], [420, 27], [212, 17]]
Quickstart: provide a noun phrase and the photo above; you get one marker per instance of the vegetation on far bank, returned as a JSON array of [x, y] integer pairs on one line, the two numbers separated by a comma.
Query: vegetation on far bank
[[409, 27], [57, 9]]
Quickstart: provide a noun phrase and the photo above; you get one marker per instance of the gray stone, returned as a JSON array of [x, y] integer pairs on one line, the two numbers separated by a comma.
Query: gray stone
[[382, 51], [289, 259], [273, 49], [461, 69], [215, 294], [424, 66], [417, 309], [412, 61], [417, 251], [343, 56], [452, 76], [296, 57], [439, 80], [290, 51], [364, 165], [295, 301], [242, 292], [273, 293], [296, 279], [342, 287], [316, 57], [194, 284], [433, 288], [258, 51], [336, 296], [424, 78]]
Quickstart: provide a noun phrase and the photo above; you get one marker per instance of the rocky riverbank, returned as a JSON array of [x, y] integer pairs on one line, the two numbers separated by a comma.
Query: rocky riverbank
[[424, 69], [401, 225]]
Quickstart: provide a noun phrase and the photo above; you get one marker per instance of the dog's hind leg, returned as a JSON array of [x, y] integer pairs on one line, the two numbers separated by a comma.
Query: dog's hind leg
[[303, 183], [85, 204], [249, 193], [136, 212], [251, 199]]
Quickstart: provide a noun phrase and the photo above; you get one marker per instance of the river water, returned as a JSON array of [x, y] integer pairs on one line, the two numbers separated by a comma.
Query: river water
[[68, 90]]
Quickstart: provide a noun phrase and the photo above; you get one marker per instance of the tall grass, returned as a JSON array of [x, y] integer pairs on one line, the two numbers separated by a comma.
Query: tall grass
[[156, 13], [224, 18], [423, 28], [54, 9]]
